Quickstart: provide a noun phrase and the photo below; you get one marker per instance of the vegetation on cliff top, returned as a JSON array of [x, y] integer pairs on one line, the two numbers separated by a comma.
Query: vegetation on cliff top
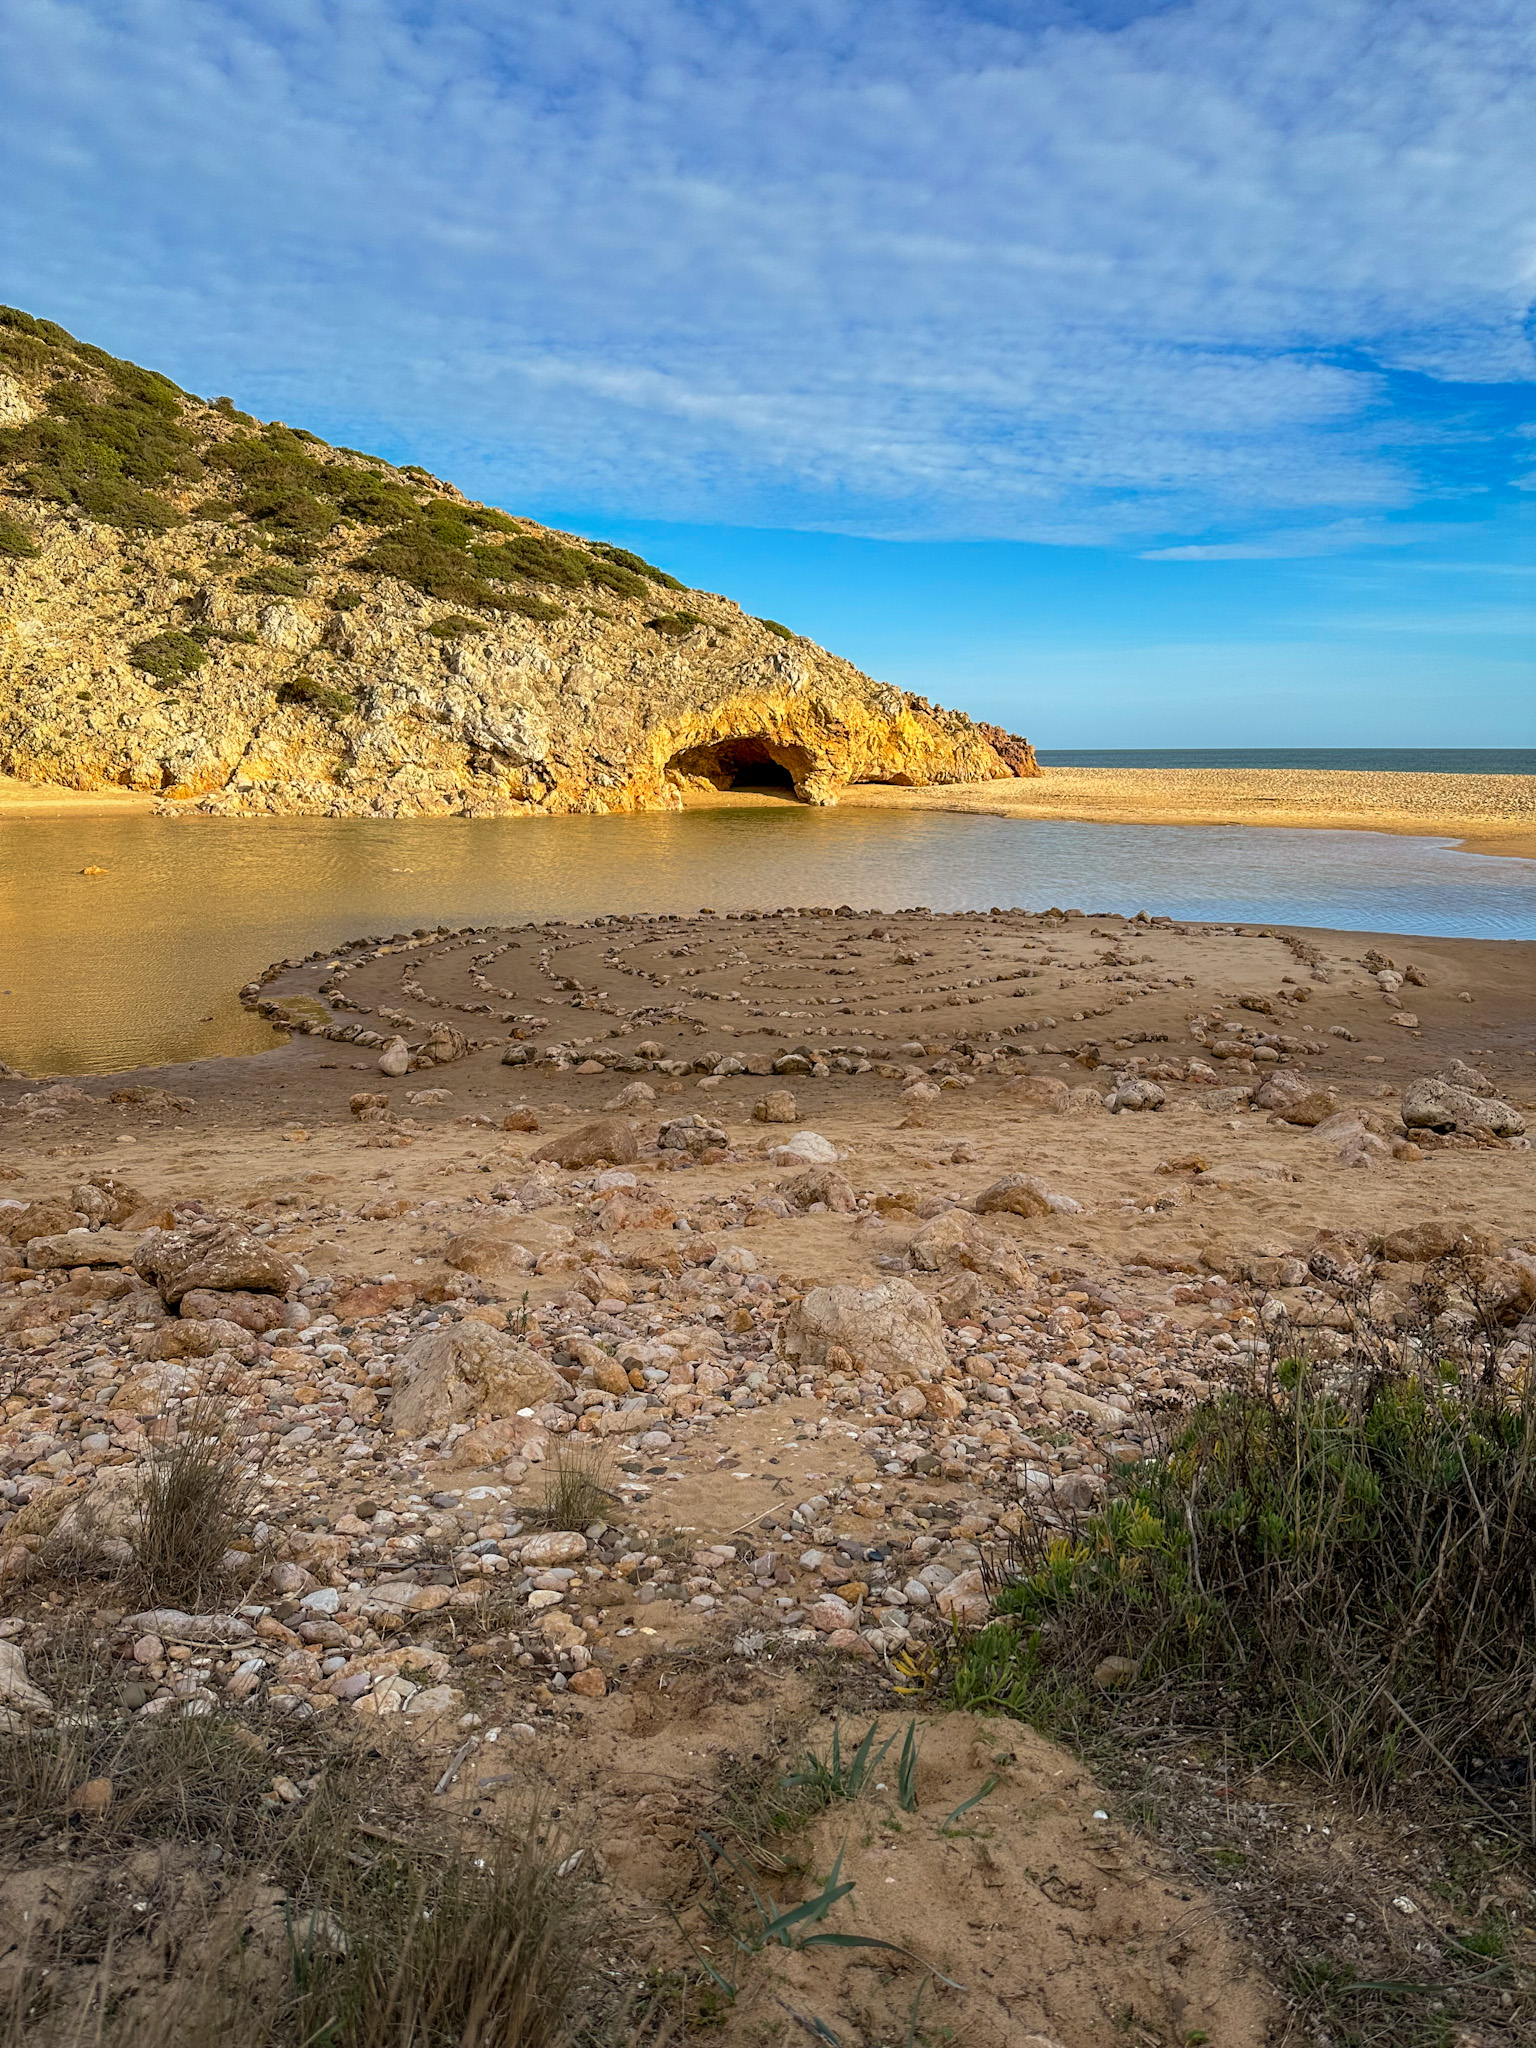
[[128, 448]]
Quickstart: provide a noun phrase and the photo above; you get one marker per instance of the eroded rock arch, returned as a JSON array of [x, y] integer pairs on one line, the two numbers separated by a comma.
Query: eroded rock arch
[[746, 761]]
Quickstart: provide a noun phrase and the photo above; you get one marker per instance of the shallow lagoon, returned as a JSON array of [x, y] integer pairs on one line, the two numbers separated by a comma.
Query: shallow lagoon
[[140, 965]]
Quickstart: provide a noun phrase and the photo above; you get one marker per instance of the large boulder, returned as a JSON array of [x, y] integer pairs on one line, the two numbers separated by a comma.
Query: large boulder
[[488, 1252], [220, 1256], [1135, 1093], [1023, 1194], [1435, 1237], [821, 1184], [609, 1138], [50, 1217], [106, 1199], [1308, 1111], [102, 1519], [443, 1044], [18, 1695], [805, 1148], [1282, 1086], [698, 1136], [1038, 1091], [1432, 1104], [891, 1329], [957, 1238], [257, 1313], [468, 1369], [197, 1337]]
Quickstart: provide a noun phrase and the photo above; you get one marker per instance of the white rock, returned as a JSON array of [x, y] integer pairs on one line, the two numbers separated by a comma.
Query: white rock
[[556, 1546], [17, 1690], [806, 1148]]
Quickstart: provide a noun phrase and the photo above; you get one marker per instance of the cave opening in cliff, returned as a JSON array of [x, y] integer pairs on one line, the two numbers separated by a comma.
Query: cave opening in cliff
[[744, 762]]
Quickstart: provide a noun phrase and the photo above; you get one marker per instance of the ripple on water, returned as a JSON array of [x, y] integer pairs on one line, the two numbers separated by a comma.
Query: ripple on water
[[140, 964]]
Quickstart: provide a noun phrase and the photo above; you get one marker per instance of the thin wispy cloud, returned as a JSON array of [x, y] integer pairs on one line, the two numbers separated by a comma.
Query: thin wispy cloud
[[1168, 274]]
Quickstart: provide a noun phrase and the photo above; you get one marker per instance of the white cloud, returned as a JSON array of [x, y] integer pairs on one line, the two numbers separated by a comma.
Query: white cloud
[[1294, 543], [897, 269]]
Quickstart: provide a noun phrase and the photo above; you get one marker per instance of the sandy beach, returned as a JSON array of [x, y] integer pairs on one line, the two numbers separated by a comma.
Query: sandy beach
[[51, 800], [1493, 814]]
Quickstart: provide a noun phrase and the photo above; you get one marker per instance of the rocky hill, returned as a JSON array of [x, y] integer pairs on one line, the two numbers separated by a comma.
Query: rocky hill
[[243, 618]]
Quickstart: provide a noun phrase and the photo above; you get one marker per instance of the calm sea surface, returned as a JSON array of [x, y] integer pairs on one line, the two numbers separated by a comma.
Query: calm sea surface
[[1393, 760], [140, 965]]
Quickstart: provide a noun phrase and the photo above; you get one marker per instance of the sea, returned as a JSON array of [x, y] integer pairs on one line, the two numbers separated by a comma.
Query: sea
[[1360, 760], [140, 964]]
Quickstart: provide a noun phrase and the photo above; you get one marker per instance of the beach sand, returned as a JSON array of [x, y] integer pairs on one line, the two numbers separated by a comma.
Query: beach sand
[[1493, 814], [52, 800]]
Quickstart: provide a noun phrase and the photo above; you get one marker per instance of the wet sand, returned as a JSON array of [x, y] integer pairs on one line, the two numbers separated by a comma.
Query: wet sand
[[1493, 814], [51, 800]]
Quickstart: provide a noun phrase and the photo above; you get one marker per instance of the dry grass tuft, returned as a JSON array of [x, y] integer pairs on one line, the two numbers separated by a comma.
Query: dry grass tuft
[[576, 1493], [200, 1908], [450, 1952], [189, 1511]]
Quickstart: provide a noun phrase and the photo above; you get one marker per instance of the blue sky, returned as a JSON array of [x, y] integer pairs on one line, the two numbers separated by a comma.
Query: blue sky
[[1133, 373]]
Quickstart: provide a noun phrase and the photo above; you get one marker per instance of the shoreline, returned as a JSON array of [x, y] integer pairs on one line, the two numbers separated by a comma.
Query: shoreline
[[1489, 814]]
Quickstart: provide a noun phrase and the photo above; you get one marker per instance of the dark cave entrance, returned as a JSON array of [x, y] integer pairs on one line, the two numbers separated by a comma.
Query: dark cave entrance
[[747, 763]]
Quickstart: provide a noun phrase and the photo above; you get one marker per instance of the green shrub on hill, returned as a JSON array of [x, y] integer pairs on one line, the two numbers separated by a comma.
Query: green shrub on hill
[[637, 564], [273, 579], [531, 607], [117, 442], [417, 555], [674, 625], [168, 657], [106, 443], [453, 626], [781, 632], [15, 540], [316, 696]]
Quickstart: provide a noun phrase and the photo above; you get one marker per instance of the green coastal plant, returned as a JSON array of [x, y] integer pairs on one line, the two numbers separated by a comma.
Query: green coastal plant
[[576, 1492], [674, 625], [188, 1511], [109, 436], [838, 1775], [637, 564], [316, 696], [15, 539], [453, 626], [1341, 1569], [168, 657], [273, 579]]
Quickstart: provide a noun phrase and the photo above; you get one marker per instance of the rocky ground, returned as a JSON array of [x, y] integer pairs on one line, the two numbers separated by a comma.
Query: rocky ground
[[825, 1243]]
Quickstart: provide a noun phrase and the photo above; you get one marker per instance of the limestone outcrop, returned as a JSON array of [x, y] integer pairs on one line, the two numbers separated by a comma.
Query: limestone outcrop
[[240, 618]]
